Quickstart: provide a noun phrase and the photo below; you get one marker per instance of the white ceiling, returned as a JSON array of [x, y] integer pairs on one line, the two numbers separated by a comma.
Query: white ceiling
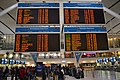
[[8, 21]]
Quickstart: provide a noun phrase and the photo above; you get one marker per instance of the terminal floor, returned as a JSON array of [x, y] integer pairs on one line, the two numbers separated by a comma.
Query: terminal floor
[[98, 75]]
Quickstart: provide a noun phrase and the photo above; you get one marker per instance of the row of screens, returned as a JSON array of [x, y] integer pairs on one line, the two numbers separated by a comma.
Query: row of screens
[[52, 16], [112, 59], [11, 61], [51, 42]]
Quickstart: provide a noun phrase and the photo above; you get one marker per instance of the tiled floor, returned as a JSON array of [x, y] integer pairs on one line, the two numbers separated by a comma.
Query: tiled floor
[[98, 75]]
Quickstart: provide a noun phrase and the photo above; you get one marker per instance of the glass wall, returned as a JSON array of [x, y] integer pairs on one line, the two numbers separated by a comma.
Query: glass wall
[[114, 40], [6, 42]]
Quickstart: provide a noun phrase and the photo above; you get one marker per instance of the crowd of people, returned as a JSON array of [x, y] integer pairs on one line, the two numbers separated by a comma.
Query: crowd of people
[[47, 73], [15, 73]]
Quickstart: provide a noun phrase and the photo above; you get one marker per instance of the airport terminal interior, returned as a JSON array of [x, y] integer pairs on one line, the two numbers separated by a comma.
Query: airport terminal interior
[[59, 39]]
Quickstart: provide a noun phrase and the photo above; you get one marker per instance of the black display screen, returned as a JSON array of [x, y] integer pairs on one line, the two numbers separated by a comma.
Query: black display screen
[[86, 41], [37, 42], [84, 16], [38, 16]]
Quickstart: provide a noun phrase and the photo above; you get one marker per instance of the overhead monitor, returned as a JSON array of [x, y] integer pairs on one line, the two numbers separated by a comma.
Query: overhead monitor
[[86, 41], [38, 16], [37, 42], [83, 16]]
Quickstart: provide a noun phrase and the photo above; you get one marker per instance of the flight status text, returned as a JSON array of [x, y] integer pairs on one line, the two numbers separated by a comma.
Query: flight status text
[[38, 16], [86, 42], [37, 42], [83, 16]]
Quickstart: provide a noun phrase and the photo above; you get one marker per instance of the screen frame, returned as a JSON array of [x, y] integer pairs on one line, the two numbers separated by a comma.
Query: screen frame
[[36, 34], [86, 50], [37, 8], [82, 8]]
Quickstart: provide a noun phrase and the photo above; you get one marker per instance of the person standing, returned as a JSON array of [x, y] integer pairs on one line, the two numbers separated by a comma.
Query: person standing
[[16, 73], [12, 73], [22, 73], [6, 72], [43, 74]]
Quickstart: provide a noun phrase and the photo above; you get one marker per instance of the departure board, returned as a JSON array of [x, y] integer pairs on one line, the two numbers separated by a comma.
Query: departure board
[[38, 16], [83, 16], [86, 41], [37, 42]]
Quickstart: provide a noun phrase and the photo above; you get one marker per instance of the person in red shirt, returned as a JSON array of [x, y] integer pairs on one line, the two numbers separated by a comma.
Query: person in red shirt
[[22, 73]]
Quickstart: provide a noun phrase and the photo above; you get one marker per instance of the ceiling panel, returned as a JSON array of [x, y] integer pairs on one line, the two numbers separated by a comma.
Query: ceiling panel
[[4, 29], [7, 3], [7, 21], [116, 8], [112, 23], [107, 17], [13, 13], [116, 29], [108, 3]]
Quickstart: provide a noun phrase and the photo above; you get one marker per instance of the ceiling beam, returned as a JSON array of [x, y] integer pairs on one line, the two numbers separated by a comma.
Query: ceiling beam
[[8, 9], [111, 19], [118, 32], [114, 4], [112, 12], [9, 15], [114, 27], [2, 33]]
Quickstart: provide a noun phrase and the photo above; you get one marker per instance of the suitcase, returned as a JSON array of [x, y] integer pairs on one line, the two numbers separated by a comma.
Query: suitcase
[[77, 76], [82, 74]]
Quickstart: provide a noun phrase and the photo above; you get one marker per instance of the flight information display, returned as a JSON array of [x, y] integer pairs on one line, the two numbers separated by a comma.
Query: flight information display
[[83, 16], [37, 42], [86, 41], [38, 16]]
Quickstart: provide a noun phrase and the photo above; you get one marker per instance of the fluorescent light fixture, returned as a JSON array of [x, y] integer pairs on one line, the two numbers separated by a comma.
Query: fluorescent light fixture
[[4, 37], [59, 54], [47, 55], [5, 55], [16, 55], [55, 54], [42, 54], [11, 55], [63, 61], [22, 55]]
